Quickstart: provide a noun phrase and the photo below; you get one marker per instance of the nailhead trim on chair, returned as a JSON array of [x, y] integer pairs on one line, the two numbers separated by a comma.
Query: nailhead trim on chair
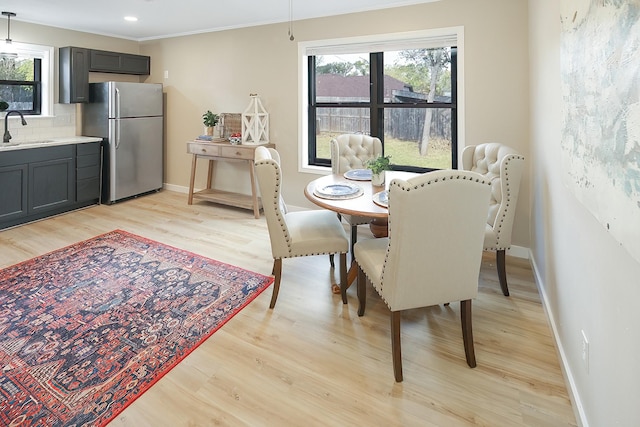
[[399, 185], [276, 203], [500, 222]]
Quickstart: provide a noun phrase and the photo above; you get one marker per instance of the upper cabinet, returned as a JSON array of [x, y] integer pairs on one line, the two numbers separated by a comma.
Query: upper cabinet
[[114, 62], [74, 75], [75, 63]]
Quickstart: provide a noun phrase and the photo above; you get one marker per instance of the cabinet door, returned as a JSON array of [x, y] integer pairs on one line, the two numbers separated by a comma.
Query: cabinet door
[[104, 61], [136, 64], [51, 184], [115, 62], [74, 74], [13, 197]]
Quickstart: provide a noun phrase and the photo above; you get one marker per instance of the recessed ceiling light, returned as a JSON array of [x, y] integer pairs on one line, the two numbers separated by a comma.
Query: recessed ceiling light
[[130, 18]]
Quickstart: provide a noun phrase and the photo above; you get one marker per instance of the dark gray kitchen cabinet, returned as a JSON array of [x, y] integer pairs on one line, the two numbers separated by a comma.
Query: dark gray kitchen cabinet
[[74, 74], [114, 62], [39, 182], [51, 185], [88, 171], [75, 63], [13, 196]]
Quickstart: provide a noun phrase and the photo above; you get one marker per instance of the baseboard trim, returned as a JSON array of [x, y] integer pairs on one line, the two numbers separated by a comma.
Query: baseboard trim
[[176, 188], [574, 395], [519, 252]]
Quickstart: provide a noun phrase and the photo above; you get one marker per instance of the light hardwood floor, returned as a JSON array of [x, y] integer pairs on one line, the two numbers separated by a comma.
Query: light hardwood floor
[[311, 361]]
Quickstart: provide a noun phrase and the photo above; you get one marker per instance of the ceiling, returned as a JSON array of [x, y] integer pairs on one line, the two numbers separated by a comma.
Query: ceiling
[[167, 18]]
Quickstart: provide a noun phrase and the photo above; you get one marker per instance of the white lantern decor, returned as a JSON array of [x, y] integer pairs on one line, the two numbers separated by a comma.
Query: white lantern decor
[[255, 123]]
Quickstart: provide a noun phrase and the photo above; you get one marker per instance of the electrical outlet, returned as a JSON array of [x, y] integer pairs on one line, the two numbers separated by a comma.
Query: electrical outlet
[[585, 351]]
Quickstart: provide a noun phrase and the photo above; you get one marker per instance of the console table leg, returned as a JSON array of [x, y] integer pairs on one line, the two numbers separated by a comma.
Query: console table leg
[[254, 195], [210, 175], [193, 178]]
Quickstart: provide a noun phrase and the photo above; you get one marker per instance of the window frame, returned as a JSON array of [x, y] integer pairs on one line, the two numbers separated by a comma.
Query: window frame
[[408, 40], [42, 80]]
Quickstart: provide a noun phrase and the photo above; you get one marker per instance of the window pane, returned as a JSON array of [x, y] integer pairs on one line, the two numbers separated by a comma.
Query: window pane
[[331, 122], [417, 75], [342, 78], [19, 97], [20, 68], [408, 145]]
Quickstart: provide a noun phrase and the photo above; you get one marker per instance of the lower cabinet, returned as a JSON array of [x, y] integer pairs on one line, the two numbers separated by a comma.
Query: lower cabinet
[[13, 197], [51, 184], [40, 182], [88, 172]]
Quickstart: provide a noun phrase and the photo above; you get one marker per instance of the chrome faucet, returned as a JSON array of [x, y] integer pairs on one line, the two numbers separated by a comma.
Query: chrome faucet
[[7, 135]]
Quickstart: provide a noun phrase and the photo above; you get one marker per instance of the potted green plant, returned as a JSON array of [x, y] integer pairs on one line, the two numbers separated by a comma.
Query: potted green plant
[[210, 120], [378, 166]]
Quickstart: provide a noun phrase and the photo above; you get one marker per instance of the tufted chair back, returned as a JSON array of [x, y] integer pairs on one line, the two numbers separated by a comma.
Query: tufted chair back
[[351, 151], [295, 234], [502, 166], [269, 175], [434, 249]]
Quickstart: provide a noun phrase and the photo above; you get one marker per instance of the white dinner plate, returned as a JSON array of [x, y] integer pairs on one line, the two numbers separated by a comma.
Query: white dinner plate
[[381, 198], [358, 174], [338, 191]]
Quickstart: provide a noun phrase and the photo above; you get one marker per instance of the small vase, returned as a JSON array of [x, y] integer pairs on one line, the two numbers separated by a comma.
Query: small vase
[[377, 179], [208, 130]]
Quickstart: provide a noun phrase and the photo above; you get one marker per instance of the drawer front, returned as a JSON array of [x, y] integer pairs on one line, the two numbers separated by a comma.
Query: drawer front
[[88, 172], [235, 152], [203, 149], [88, 148], [87, 189], [84, 161]]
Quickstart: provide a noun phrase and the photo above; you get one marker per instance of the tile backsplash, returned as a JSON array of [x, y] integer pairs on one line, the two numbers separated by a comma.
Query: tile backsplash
[[61, 124]]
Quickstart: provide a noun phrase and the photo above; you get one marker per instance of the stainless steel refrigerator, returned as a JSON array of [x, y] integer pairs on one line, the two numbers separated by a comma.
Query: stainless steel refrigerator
[[129, 116]]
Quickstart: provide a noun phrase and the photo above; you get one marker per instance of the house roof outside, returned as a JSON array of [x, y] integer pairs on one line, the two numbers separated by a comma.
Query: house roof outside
[[339, 88], [329, 87]]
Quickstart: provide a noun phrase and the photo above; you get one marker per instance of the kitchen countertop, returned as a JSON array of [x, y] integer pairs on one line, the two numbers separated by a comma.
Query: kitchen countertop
[[47, 142]]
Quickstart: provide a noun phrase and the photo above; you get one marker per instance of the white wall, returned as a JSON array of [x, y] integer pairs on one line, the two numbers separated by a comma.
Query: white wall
[[588, 281]]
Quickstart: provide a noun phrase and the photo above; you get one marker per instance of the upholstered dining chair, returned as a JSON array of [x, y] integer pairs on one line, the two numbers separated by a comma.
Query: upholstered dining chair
[[502, 166], [351, 151], [433, 253], [295, 234]]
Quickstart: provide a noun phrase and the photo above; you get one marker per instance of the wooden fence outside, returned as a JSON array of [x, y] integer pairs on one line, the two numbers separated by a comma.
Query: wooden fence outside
[[400, 123]]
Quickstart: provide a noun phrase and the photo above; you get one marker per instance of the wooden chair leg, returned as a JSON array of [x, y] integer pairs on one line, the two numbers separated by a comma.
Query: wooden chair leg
[[343, 277], [502, 271], [361, 291], [354, 239], [395, 345], [277, 272], [467, 332], [333, 265]]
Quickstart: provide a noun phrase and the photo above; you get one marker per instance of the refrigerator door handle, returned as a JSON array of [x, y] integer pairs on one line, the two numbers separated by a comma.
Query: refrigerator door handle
[[116, 124], [117, 115]]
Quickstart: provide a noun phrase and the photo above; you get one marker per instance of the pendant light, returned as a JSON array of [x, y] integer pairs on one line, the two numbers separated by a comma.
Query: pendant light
[[291, 20], [8, 50]]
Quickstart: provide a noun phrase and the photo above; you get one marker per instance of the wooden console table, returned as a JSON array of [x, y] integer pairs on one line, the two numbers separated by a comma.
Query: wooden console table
[[225, 151]]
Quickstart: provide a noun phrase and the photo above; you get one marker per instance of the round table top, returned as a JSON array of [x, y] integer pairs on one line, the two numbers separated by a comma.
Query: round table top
[[362, 205]]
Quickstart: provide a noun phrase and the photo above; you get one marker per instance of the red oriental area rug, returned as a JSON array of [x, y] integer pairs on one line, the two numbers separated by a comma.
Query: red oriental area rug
[[87, 329]]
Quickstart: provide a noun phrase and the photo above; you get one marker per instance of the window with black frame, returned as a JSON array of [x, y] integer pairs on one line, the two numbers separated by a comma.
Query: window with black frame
[[405, 97], [21, 83]]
